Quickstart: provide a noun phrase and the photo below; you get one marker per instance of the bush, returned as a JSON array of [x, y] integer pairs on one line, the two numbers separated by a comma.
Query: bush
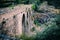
[[34, 7], [33, 29], [25, 37], [36, 22]]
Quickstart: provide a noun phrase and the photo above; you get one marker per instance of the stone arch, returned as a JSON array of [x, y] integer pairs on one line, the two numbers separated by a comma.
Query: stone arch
[[23, 24]]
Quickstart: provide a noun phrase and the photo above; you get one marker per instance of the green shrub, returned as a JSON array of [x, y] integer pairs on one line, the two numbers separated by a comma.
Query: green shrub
[[34, 7], [33, 29], [36, 22], [25, 37], [11, 6]]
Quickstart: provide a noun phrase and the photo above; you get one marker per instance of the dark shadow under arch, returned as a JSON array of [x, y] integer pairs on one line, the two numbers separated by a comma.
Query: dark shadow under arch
[[23, 24]]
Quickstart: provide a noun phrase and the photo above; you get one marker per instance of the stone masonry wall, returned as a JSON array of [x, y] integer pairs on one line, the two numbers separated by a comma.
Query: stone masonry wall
[[11, 20]]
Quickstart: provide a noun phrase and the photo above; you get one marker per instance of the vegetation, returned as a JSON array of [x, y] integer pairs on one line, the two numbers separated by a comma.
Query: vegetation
[[34, 7], [36, 22], [33, 29], [58, 20], [51, 28], [54, 3], [51, 2], [25, 37], [51, 32]]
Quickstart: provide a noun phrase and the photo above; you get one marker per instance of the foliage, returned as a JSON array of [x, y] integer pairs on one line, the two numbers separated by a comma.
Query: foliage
[[11, 6], [33, 29], [36, 22], [58, 20], [36, 4], [55, 3], [25, 37], [34, 7], [18, 1], [49, 32]]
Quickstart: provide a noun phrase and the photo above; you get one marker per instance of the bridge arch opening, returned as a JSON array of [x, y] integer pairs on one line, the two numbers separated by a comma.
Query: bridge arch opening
[[23, 23], [27, 14]]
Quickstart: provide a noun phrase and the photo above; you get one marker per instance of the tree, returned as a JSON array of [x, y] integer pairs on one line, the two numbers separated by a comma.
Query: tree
[[55, 3]]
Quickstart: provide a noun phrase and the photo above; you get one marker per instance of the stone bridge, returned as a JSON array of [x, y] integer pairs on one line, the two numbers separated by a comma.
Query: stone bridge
[[16, 20]]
